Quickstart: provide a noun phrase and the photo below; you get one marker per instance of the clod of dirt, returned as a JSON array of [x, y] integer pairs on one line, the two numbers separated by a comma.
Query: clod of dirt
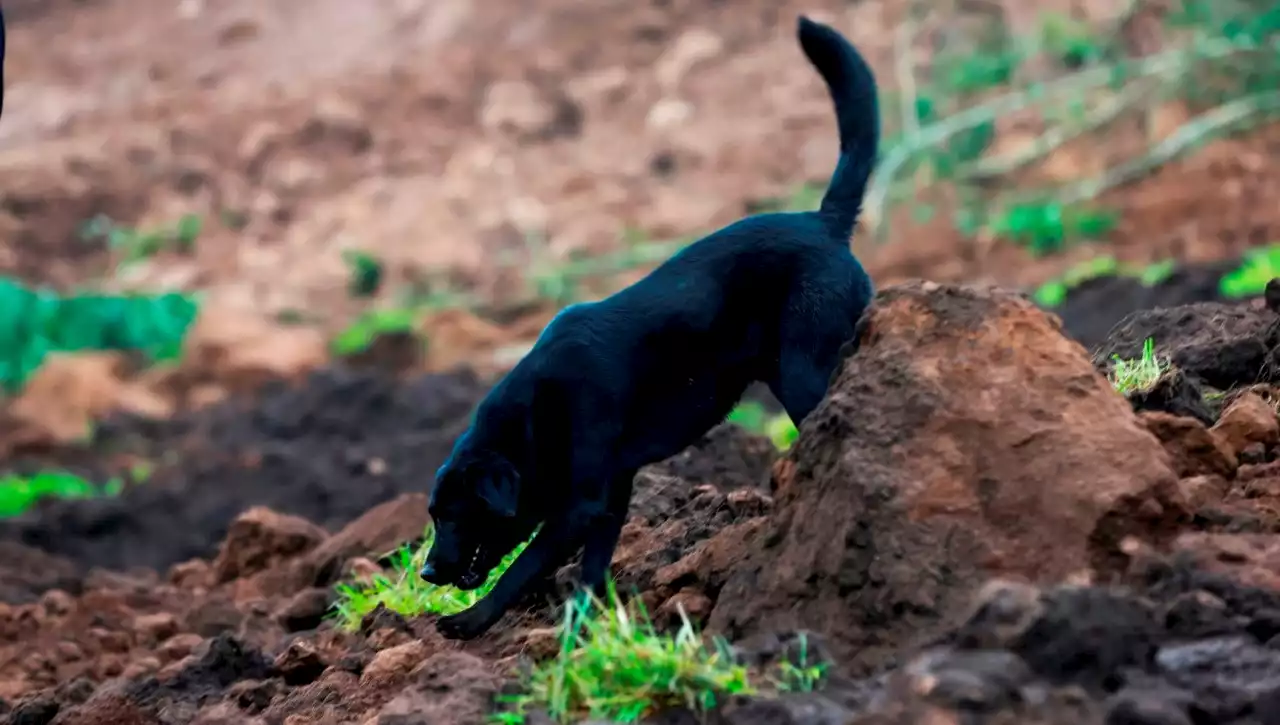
[[1194, 449], [68, 394], [1247, 420], [306, 610], [446, 688], [966, 436], [381, 530], [300, 663], [261, 538], [241, 349], [1223, 345], [25, 573], [1174, 393]]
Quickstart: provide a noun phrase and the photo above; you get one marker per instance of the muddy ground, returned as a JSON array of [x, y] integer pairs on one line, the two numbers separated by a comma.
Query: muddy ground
[[1133, 554], [973, 528]]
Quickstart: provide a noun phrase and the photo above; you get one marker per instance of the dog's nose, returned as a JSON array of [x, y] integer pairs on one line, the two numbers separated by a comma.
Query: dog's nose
[[427, 573]]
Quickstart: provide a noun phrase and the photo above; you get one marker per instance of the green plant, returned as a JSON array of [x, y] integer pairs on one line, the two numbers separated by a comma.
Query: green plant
[[34, 323], [614, 665], [134, 244], [801, 675], [19, 493], [406, 593], [1046, 227], [369, 326], [1130, 376], [751, 416], [366, 273], [1054, 292], [1258, 267]]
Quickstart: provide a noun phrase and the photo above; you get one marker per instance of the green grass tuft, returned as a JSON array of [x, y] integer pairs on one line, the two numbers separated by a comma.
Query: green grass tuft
[[779, 428], [369, 326], [20, 493], [614, 665], [1128, 376], [404, 592]]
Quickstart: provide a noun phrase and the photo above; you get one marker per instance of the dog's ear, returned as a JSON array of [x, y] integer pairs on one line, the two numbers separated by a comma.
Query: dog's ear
[[499, 488]]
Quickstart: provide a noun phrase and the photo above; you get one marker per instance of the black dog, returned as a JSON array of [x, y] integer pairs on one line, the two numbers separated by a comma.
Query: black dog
[[613, 385]]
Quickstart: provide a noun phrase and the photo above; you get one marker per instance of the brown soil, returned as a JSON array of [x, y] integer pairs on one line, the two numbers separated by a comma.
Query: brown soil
[[972, 529], [440, 137], [1134, 556]]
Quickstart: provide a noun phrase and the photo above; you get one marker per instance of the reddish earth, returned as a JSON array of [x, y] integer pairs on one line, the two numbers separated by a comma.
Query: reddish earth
[[973, 526]]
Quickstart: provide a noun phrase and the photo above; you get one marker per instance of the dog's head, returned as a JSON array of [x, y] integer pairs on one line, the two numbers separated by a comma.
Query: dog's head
[[475, 515]]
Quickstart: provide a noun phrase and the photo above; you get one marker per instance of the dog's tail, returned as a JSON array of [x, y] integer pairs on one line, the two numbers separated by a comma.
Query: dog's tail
[[853, 90]]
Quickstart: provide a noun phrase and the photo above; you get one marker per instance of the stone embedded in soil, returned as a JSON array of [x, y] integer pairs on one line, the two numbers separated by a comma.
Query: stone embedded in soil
[[1194, 449], [261, 538], [1246, 421], [966, 437], [1223, 345]]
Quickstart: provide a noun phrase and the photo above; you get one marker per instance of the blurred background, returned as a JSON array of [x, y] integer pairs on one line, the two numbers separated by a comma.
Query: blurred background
[[457, 170]]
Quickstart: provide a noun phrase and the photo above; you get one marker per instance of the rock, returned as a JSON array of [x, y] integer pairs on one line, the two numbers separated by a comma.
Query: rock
[[261, 538], [300, 663], [448, 688], [1247, 420], [1194, 449], [381, 529], [966, 437], [1223, 345], [306, 610], [393, 665]]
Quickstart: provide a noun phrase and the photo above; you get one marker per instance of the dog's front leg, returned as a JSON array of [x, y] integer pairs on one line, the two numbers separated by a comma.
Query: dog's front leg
[[548, 550], [602, 539]]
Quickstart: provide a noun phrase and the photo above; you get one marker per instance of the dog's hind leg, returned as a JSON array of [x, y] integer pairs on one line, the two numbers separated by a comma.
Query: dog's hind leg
[[602, 538]]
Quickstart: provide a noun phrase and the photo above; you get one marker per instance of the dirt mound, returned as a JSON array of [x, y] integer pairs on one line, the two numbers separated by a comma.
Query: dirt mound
[[996, 421], [1224, 345], [327, 449]]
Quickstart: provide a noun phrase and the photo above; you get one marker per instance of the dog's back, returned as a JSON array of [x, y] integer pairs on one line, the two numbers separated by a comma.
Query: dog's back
[[772, 297]]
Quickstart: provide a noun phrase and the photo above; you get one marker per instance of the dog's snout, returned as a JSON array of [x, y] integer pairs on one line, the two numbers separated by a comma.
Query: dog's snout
[[428, 573]]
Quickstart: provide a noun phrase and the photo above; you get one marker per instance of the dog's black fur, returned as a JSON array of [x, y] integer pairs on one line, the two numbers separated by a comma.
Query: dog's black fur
[[613, 385]]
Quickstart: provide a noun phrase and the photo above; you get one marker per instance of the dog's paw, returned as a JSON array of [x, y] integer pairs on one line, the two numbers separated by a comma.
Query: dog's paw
[[467, 624]]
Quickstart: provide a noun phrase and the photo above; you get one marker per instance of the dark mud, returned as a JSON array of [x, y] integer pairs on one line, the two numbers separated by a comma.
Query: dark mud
[[1092, 308], [327, 450]]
